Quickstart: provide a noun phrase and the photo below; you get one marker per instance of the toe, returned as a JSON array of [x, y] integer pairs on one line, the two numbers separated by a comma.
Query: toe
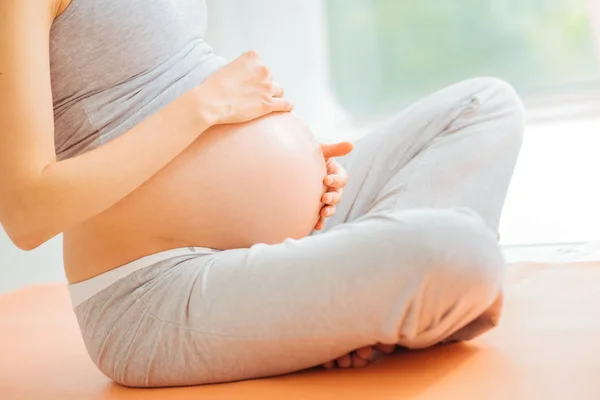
[[329, 365], [359, 362], [366, 353], [345, 361], [386, 348]]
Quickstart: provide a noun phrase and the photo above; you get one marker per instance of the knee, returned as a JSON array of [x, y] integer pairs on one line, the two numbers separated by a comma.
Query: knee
[[466, 252], [435, 270], [458, 275], [509, 101], [496, 88], [500, 99], [456, 252], [496, 102]]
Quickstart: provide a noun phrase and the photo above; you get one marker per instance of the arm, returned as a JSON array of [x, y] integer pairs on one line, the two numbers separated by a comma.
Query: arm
[[40, 196]]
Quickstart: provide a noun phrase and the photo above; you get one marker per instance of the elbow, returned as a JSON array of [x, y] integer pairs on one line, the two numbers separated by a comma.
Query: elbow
[[27, 224], [25, 236], [26, 241]]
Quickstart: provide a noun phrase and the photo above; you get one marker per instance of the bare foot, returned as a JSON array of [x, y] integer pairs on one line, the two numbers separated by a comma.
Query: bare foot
[[360, 358]]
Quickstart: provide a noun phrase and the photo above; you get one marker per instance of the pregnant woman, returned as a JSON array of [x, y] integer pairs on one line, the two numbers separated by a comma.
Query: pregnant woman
[[189, 195]]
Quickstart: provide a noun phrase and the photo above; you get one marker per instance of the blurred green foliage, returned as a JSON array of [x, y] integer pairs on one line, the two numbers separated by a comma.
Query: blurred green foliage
[[389, 52]]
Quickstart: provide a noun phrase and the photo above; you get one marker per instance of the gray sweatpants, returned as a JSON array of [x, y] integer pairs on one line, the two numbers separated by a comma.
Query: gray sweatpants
[[411, 258]]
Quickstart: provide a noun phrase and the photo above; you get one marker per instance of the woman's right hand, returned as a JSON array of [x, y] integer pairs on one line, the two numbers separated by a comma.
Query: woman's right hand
[[241, 91]]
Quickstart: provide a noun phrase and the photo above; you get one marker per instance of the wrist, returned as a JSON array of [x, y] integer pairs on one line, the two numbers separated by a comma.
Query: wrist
[[202, 108]]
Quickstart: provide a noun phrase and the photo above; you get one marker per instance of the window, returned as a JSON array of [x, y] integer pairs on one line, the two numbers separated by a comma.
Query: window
[[386, 53]]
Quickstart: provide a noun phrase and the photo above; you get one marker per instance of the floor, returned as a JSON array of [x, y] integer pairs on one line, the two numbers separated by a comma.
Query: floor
[[551, 213]]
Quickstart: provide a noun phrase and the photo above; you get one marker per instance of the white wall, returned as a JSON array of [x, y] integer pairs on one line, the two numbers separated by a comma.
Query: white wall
[[19, 268]]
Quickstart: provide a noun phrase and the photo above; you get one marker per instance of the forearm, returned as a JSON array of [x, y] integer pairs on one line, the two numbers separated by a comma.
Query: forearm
[[72, 191]]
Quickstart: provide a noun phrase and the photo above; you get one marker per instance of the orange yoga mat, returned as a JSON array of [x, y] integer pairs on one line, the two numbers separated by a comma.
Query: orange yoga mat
[[546, 347]]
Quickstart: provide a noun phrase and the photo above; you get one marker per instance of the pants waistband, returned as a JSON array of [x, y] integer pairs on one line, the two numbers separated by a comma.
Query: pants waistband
[[82, 291]]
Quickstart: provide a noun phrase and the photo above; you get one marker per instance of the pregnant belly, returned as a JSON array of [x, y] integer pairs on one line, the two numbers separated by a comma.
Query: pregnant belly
[[235, 186]]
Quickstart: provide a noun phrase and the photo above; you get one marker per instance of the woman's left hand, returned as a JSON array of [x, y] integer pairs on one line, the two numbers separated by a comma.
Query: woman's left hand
[[334, 181]]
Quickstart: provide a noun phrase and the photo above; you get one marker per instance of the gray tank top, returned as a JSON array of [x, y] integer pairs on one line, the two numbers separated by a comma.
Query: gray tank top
[[116, 62]]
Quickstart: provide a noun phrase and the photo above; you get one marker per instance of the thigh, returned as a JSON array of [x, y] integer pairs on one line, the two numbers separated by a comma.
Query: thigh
[[455, 148]]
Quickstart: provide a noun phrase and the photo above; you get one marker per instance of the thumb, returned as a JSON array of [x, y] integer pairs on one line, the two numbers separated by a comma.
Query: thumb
[[336, 149]]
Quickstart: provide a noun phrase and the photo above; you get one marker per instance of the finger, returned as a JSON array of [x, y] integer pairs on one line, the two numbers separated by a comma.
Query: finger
[[252, 58], [276, 90], [327, 211], [337, 181], [320, 225], [332, 198], [336, 149], [280, 104], [366, 353], [252, 54], [329, 365], [386, 348], [358, 362], [344, 361], [334, 168]]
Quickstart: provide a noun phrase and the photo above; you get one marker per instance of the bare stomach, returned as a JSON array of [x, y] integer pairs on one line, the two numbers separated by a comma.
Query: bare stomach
[[235, 186]]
